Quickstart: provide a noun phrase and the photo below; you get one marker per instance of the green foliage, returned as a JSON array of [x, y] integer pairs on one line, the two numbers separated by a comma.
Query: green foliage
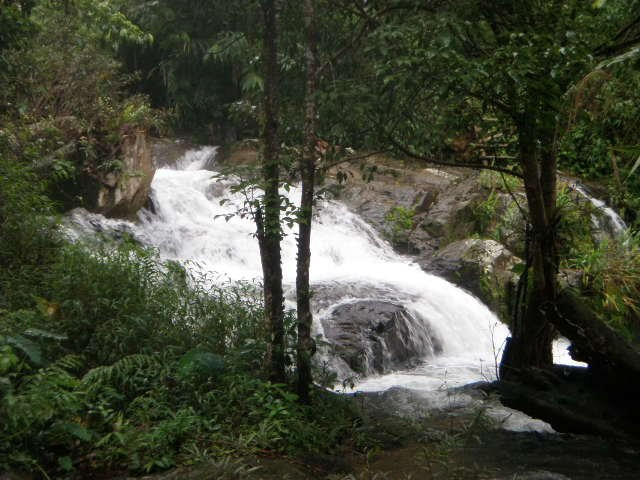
[[484, 212], [205, 65], [497, 215], [601, 139], [611, 281], [608, 267], [204, 55], [401, 222], [15, 27], [28, 237], [460, 78], [64, 107], [575, 228]]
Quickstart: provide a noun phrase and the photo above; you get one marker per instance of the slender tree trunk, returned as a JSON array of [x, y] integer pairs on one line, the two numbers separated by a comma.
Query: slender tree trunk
[[532, 331], [306, 346], [268, 218]]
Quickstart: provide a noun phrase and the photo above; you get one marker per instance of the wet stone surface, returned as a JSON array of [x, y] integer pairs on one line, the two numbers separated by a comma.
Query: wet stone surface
[[374, 336]]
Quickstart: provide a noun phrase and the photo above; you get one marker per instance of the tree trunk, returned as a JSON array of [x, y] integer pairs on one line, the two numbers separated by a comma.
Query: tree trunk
[[268, 218], [306, 346], [532, 330]]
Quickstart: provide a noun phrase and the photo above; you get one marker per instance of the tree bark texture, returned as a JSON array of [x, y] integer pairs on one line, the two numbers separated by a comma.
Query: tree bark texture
[[268, 218], [306, 346], [532, 330]]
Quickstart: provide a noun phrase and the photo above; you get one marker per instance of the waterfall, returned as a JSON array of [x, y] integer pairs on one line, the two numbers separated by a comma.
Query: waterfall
[[612, 223], [190, 222]]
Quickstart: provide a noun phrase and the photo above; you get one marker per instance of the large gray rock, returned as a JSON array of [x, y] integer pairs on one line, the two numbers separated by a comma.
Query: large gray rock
[[423, 191], [374, 336], [443, 204], [121, 194]]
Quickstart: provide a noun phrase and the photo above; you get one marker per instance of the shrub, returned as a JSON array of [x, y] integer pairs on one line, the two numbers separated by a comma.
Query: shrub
[[601, 139], [400, 221], [28, 238], [122, 362], [611, 281], [484, 212]]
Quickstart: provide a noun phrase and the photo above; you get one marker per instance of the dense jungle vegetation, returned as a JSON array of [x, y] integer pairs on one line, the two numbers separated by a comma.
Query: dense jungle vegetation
[[113, 361]]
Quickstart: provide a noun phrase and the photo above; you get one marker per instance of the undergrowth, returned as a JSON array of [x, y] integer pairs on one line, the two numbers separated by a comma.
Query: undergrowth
[[118, 366], [610, 281], [400, 222], [113, 361]]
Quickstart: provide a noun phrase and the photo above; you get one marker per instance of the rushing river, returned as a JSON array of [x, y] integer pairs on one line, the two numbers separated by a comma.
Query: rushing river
[[350, 262]]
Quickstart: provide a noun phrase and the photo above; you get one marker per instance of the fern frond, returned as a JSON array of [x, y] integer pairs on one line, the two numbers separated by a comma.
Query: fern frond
[[71, 363], [119, 372]]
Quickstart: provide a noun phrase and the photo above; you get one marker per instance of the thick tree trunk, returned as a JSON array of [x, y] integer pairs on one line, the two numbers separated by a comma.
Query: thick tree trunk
[[268, 220], [532, 329], [306, 346]]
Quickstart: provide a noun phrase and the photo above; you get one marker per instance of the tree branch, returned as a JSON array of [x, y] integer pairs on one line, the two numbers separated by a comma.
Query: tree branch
[[409, 153], [343, 50], [352, 159]]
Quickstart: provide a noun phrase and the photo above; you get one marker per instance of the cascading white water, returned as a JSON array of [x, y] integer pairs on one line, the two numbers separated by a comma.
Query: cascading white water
[[349, 262], [614, 223]]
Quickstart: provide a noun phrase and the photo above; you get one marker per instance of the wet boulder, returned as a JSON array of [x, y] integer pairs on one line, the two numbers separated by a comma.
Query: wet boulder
[[122, 193], [374, 336]]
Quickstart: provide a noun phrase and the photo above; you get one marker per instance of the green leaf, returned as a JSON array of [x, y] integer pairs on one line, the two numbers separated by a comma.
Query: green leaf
[[252, 82], [77, 431], [36, 332], [201, 363], [518, 268], [28, 347], [634, 168], [65, 463], [7, 359]]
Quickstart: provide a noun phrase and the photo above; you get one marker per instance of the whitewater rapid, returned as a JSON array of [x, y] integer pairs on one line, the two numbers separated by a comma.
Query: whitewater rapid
[[194, 222], [612, 221]]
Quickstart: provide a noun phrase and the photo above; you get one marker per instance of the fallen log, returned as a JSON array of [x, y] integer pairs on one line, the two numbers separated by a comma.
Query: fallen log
[[613, 361], [600, 399], [569, 401]]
